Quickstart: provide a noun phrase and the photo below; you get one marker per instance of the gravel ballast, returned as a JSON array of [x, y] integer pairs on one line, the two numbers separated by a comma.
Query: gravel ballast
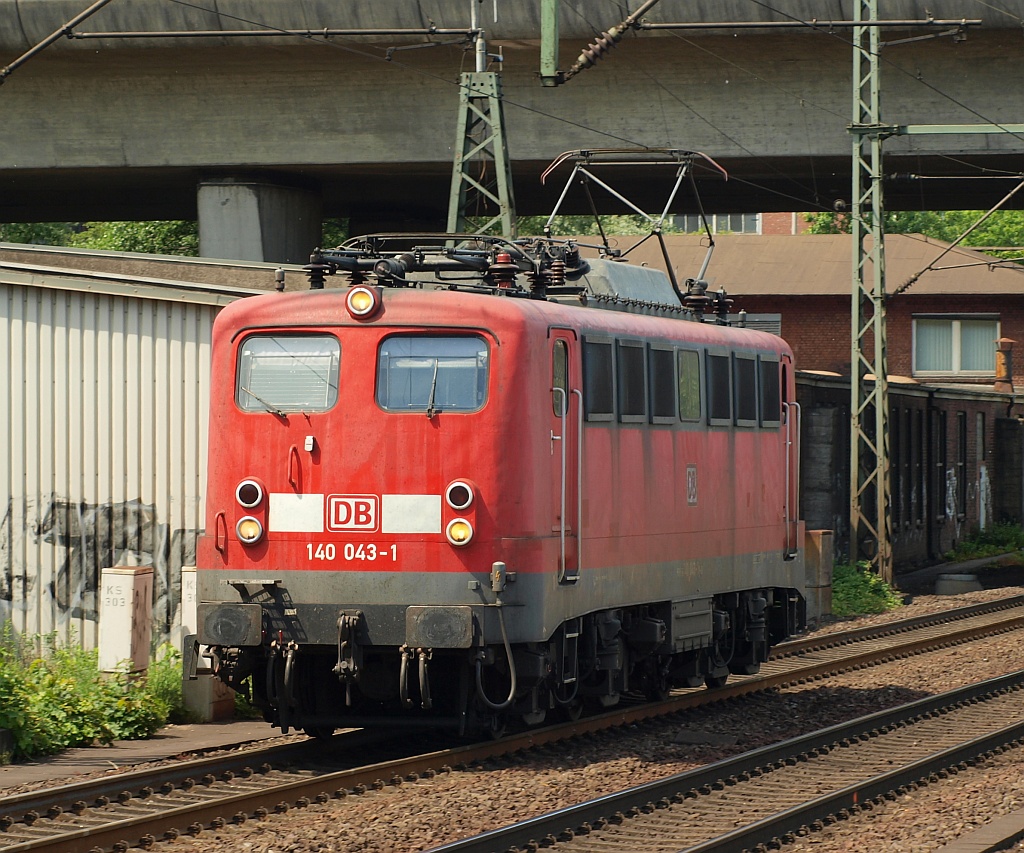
[[417, 816]]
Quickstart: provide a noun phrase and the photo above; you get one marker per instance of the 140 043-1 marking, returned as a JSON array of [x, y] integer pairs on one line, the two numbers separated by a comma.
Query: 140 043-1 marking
[[351, 551]]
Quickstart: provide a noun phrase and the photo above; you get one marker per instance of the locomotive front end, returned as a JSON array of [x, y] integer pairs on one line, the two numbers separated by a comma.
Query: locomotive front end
[[351, 538]]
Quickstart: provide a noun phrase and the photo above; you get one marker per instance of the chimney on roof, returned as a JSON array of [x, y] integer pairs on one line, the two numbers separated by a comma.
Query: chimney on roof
[[1004, 366]]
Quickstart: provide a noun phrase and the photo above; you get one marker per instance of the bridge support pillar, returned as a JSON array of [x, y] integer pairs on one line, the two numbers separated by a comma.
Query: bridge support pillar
[[251, 220]]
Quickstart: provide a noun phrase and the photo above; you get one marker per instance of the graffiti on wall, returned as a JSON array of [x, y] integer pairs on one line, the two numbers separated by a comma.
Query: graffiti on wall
[[951, 510], [87, 538], [984, 496]]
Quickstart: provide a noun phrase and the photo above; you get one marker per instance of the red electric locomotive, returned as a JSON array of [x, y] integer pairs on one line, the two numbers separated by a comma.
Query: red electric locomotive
[[456, 489]]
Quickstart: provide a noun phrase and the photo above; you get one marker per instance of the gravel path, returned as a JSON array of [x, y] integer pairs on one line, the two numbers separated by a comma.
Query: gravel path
[[417, 816]]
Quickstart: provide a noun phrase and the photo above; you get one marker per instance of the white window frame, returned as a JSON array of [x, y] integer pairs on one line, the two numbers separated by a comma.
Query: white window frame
[[955, 321], [718, 222]]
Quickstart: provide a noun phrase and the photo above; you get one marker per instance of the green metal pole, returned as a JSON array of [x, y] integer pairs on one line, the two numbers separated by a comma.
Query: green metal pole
[[549, 43], [870, 520]]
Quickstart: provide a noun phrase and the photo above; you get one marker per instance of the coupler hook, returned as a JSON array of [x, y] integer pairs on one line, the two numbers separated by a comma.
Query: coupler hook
[[407, 654], [280, 693], [350, 654], [425, 655]]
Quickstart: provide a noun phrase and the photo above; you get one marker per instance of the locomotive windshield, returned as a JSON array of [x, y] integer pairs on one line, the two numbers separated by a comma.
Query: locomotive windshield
[[432, 374], [282, 373]]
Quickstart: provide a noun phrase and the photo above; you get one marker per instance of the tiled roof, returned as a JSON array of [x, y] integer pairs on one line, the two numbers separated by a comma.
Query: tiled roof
[[821, 264]]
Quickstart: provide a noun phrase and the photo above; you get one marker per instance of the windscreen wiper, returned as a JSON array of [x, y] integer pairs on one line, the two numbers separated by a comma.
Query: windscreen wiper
[[431, 410], [272, 409]]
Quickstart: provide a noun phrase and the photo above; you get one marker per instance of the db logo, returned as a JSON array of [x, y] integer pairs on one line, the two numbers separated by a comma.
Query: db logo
[[353, 512]]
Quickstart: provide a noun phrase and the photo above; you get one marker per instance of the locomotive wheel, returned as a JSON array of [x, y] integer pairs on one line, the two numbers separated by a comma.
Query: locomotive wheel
[[717, 675]]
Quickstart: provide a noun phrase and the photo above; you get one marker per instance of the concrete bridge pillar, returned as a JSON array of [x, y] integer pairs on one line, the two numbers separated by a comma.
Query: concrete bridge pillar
[[258, 220]]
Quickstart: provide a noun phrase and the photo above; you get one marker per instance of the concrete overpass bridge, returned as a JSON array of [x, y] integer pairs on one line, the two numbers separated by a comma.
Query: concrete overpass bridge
[[267, 134]]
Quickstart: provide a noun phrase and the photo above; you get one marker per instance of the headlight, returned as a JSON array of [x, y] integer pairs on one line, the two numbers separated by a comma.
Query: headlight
[[363, 302], [249, 493], [459, 531], [459, 495], [249, 530]]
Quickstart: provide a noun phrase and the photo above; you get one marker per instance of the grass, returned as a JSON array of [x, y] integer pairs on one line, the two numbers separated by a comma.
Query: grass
[[990, 542]]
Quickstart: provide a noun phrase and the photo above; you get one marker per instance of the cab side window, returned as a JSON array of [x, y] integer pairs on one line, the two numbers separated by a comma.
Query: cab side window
[[598, 380], [689, 385], [559, 378]]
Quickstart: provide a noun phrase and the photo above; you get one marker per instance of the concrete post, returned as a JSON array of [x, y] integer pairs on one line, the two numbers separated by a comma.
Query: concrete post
[[818, 551], [258, 221], [207, 698], [126, 617]]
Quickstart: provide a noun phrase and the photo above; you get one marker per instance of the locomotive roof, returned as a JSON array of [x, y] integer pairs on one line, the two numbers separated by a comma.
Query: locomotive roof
[[418, 308]]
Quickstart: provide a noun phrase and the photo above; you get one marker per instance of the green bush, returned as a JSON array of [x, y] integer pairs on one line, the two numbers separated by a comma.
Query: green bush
[[991, 542], [54, 697], [856, 590]]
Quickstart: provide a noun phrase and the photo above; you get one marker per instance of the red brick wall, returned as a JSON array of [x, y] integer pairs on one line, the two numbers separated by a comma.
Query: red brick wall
[[780, 223], [783, 223], [817, 328]]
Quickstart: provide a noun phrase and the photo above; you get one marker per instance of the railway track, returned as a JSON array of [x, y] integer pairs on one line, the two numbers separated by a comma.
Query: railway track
[[757, 799], [143, 807]]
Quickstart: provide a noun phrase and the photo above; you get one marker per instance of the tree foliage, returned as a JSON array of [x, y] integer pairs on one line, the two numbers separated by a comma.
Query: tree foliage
[[171, 237], [1002, 228], [161, 237], [38, 233]]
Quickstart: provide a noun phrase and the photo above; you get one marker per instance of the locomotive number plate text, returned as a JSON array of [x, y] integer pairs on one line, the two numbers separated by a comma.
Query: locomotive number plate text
[[351, 551]]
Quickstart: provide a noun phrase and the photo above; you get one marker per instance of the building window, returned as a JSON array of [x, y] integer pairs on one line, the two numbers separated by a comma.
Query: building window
[[720, 223], [964, 345]]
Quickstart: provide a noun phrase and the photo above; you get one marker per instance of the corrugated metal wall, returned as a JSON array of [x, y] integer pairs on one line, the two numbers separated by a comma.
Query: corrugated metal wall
[[103, 425]]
